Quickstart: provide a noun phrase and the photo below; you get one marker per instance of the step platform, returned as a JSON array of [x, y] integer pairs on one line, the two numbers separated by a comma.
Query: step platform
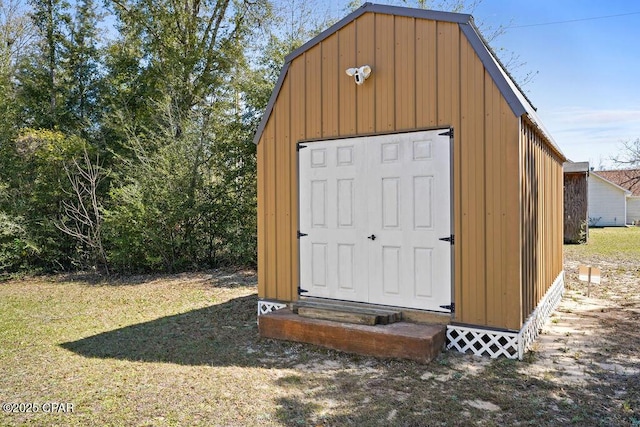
[[398, 339], [346, 312]]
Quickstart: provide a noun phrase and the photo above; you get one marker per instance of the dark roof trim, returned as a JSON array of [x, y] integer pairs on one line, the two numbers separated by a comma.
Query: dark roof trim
[[503, 82]]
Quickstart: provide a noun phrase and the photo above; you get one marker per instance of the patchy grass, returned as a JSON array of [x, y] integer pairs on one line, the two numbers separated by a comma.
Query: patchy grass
[[612, 242], [184, 350]]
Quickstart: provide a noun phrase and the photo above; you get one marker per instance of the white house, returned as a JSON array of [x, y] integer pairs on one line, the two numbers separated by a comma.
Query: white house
[[628, 179], [633, 210], [607, 202]]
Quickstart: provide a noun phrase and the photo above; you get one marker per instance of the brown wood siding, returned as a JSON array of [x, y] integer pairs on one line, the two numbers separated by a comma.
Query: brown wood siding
[[542, 216], [426, 85], [383, 73], [405, 73], [366, 94], [425, 74], [473, 185], [313, 108], [576, 217], [284, 226]]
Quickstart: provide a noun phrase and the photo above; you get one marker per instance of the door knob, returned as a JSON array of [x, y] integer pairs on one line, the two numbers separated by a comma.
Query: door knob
[[372, 237]]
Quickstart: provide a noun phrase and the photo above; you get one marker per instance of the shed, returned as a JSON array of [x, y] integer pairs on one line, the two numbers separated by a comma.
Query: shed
[[607, 202], [431, 186], [576, 205]]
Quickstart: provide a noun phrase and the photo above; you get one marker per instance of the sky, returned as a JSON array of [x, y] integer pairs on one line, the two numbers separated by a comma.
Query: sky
[[587, 88], [585, 55]]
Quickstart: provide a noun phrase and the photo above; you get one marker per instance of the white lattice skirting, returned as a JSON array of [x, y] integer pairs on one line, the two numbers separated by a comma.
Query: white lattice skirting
[[265, 307], [513, 345]]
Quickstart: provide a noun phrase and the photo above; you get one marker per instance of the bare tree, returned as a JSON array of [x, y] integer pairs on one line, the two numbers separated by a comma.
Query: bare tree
[[629, 154], [82, 214], [17, 33]]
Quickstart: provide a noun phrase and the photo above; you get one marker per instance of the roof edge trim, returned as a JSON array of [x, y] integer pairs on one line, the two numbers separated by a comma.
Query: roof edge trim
[[491, 65], [271, 103]]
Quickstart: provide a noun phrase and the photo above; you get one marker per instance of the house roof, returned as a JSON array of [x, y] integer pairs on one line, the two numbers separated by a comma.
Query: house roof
[[516, 99], [629, 179]]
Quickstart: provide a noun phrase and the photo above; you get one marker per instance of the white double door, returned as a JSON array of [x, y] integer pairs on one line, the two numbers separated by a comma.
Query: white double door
[[374, 210]]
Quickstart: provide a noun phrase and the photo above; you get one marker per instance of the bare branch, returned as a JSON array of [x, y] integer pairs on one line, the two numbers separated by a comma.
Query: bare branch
[[629, 154], [82, 216]]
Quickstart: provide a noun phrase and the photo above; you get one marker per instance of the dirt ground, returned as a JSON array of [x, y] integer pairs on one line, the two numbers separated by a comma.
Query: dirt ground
[[595, 330], [183, 350], [584, 368]]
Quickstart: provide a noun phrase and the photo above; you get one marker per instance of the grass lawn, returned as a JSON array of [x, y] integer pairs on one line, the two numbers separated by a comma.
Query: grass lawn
[[184, 350], [608, 243]]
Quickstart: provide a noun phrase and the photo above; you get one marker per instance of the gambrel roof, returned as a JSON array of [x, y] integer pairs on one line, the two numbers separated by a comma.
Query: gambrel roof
[[516, 99]]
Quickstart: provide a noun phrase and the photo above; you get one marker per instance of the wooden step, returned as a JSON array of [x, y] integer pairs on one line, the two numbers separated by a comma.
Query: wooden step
[[347, 312], [402, 340]]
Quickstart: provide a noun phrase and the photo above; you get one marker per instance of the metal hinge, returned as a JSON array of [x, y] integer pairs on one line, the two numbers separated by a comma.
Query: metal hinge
[[301, 291], [448, 133], [300, 234], [449, 239], [300, 147], [451, 307]]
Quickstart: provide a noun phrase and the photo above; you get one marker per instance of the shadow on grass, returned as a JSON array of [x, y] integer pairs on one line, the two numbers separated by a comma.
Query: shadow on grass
[[218, 335], [330, 388]]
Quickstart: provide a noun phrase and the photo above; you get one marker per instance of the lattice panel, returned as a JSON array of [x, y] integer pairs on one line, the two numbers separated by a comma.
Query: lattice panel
[[486, 342], [532, 327], [265, 307], [482, 342]]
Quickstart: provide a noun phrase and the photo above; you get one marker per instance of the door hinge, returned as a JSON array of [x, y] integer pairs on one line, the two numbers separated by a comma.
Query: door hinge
[[449, 239], [300, 234], [448, 133], [451, 307], [301, 291], [300, 147]]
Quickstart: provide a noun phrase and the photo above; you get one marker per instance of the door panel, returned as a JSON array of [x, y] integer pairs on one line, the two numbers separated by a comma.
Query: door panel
[[332, 258], [374, 209]]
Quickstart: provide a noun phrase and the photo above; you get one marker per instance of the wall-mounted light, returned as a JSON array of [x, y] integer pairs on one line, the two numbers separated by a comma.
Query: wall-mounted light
[[359, 74]]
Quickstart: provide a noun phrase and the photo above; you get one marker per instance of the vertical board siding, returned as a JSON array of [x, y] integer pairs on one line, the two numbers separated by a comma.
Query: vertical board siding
[[328, 83], [473, 186], [312, 92], [298, 131], [511, 205], [405, 73], [366, 55], [270, 192], [384, 70], [346, 86], [283, 191], [542, 218], [424, 74], [261, 220]]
